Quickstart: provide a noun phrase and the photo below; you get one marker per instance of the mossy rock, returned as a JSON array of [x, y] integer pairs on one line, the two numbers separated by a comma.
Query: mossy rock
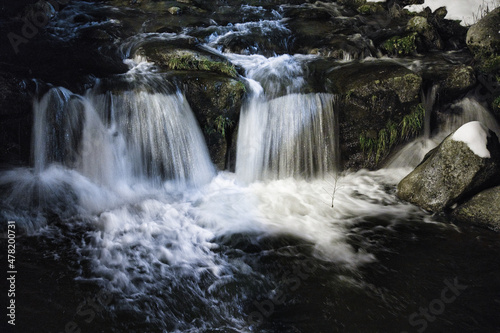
[[375, 95], [371, 8], [172, 56], [426, 31], [216, 101], [483, 38], [400, 45]]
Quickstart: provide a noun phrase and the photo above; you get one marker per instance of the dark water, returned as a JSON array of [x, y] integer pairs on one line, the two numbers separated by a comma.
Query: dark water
[[414, 261]]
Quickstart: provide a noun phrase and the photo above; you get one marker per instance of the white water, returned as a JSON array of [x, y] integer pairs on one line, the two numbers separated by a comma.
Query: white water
[[113, 138], [284, 131]]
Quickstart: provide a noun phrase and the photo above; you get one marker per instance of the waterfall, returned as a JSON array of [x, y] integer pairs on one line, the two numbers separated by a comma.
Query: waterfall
[[289, 136], [284, 130], [429, 99], [121, 136]]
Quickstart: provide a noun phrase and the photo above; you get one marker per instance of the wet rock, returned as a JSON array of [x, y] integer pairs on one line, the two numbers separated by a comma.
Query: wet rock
[[403, 3], [425, 30], [174, 10], [216, 101], [455, 170], [370, 9], [483, 38], [482, 209], [15, 118], [185, 55], [459, 80], [375, 95]]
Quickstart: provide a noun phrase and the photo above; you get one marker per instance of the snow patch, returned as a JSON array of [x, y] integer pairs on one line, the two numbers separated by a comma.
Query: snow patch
[[475, 135]]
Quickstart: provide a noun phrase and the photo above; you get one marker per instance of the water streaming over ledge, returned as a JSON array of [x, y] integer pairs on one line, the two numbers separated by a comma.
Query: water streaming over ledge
[[124, 199], [121, 137]]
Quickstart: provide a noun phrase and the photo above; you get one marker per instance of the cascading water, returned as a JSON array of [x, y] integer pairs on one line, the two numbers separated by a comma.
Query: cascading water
[[123, 199], [284, 132], [116, 137]]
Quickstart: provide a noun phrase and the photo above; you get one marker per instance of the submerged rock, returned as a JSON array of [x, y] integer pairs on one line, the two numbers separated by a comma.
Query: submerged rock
[[483, 208], [465, 163]]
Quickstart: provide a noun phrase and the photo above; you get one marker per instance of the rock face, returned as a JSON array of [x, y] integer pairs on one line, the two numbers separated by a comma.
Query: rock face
[[465, 163], [483, 38], [483, 208], [375, 95]]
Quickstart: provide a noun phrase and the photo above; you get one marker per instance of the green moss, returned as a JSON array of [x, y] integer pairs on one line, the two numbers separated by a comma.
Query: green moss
[[490, 64], [175, 61], [412, 123], [496, 104], [222, 123], [410, 126], [400, 45], [370, 8]]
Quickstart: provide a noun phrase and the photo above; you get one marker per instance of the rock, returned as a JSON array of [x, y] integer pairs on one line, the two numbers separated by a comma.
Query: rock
[[426, 31], [460, 79], [216, 102], [440, 13], [370, 9], [15, 118], [174, 10], [184, 55], [483, 209], [375, 95], [40, 12], [465, 163], [403, 3], [483, 38]]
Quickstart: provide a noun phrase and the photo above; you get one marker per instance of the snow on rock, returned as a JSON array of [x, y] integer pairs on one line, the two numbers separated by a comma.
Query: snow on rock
[[475, 135]]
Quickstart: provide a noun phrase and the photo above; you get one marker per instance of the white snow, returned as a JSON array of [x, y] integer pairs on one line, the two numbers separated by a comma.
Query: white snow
[[475, 135], [468, 11]]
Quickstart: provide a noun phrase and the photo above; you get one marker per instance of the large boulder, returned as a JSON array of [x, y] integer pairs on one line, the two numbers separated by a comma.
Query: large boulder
[[483, 209], [465, 163], [483, 38]]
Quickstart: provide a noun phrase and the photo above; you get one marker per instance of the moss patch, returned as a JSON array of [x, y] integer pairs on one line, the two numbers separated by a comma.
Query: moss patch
[[189, 61], [370, 8], [400, 45], [381, 142], [490, 64]]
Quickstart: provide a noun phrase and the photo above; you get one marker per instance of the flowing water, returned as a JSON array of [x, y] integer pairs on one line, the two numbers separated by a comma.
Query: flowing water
[[128, 227]]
